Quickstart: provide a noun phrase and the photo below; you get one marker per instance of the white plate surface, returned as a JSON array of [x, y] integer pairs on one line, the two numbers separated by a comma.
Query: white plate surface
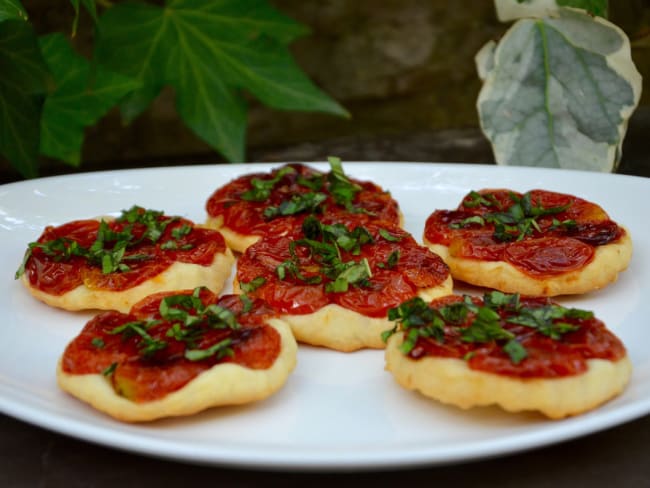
[[337, 411]]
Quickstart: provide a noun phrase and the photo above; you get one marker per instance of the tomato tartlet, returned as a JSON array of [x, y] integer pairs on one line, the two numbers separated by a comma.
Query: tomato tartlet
[[244, 209], [333, 279], [111, 263], [178, 353], [521, 353], [540, 243]]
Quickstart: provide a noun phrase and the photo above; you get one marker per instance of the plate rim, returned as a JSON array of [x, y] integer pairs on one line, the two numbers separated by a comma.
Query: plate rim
[[621, 415]]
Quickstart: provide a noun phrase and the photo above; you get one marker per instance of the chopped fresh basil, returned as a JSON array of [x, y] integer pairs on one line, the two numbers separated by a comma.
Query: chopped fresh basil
[[109, 250], [190, 311], [341, 188], [98, 342], [388, 236], [515, 351], [391, 262], [549, 320], [182, 231], [109, 370], [252, 285], [418, 319], [485, 327], [190, 318], [455, 313], [60, 249], [246, 302], [483, 323], [351, 274], [314, 183], [495, 299], [220, 350], [474, 199], [516, 222], [261, 188], [147, 344], [299, 203], [189, 335], [474, 219], [325, 243]]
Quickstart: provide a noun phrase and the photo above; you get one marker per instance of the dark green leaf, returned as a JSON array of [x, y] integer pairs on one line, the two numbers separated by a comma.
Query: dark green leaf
[[594, 7], [209, 52], [83, 95], [90, 7], [23, 80], [12, 9]]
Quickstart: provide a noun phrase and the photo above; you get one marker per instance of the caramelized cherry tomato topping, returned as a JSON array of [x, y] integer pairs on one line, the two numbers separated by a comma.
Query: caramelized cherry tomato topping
[[301, 272], [157, 349], [507, 335], [541, 233], [116, 255], [246, 211], [548, 256]]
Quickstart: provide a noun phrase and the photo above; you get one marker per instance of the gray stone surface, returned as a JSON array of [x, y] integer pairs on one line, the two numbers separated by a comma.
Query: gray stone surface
[[403, 68]]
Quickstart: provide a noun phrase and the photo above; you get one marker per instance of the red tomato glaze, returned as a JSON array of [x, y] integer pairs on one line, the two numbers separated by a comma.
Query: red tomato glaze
[[247, 217], [145, 377], [559, 242], [57, 275], [546, 357], [416, 268]]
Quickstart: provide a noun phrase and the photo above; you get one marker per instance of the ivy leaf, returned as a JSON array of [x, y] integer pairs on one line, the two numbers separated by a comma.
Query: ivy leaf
[[12, 9], [517, 9], [90, 7], [594, 7], [83, 94], [209, 52], [22, 88], [558, 92]]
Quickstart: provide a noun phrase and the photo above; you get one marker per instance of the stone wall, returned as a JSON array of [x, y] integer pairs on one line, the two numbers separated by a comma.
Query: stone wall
[[403, 68]]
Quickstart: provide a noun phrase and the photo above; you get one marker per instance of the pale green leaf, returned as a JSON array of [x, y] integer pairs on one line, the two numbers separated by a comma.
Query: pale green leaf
[[559, 93], [520, 9], [22, 88], [84, 93], [210, 52], [485, 59], [12, 9]]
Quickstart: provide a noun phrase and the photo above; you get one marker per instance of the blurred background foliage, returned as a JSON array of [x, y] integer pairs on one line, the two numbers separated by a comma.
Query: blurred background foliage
[[403, 69]]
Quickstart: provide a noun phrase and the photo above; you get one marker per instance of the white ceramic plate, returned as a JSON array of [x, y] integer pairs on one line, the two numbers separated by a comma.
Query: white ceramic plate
[[337, 411]]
